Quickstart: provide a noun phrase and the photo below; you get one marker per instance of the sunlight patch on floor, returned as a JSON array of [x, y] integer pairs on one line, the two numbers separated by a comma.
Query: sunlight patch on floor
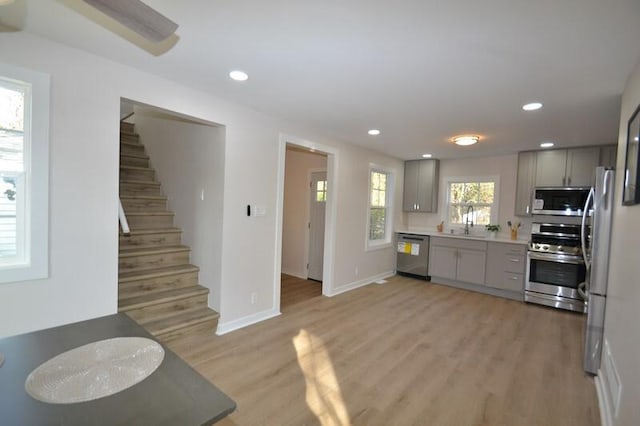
[[323, 394]]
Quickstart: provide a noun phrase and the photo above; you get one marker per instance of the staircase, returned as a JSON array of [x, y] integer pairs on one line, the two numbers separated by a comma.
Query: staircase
[[157, 286]]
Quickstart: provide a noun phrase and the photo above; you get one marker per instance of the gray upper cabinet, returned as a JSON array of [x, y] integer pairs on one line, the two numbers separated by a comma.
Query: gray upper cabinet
[[608, 155], [420, 186], [525, 183], [581, 166], [566, 167]]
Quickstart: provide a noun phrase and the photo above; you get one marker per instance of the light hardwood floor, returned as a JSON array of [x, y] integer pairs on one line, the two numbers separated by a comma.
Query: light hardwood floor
[[403, 353], [295, 290]]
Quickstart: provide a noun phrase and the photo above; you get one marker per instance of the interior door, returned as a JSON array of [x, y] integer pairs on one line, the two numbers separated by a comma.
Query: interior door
[[318, 201]]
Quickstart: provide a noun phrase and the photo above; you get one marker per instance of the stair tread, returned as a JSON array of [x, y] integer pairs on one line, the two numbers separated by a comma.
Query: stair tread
[[161, 296], [124, 166], [144, 182], [128, 154], [151, 213], [137, 251], [144, 197], [182, 320], [156, 272], [136, 144], [128, 133], [149, 231]]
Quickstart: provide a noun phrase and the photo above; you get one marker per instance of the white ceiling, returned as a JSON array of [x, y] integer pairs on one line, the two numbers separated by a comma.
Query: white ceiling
[[421, 71]]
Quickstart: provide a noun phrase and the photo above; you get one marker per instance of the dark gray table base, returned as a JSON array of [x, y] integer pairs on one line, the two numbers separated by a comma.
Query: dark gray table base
[[174, 394]]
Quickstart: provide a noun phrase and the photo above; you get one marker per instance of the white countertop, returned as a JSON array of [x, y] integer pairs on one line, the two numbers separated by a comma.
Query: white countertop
[[523, 239]]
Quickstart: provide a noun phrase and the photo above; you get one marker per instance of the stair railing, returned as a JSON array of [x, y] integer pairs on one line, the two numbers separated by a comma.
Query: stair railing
[[124, 224]]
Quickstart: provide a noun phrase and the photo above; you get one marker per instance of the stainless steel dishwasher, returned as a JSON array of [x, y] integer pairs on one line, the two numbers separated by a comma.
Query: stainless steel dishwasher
[[413, 255]]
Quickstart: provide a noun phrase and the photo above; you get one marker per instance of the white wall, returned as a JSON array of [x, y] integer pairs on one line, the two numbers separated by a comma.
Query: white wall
[[505, 166], [189, 161], [623, 297], [85, 108], [296, 208]]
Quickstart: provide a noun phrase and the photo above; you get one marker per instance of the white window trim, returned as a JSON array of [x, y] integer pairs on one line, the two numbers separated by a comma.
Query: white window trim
[[37, 238], [370, 245], [457, 179]]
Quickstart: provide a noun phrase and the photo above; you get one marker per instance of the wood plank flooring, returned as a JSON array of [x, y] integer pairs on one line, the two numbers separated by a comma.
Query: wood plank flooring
[[294, 290], [404, 353]]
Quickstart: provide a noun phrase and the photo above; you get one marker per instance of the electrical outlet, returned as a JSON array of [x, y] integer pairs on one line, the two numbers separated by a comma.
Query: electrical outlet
[[254, 298]]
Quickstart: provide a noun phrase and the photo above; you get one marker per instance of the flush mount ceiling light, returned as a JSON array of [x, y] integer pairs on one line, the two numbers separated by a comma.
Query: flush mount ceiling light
[[546, 144], [138, 17], [465, 140], [427, 155], [532, 106], [374, 132], [238, 75]]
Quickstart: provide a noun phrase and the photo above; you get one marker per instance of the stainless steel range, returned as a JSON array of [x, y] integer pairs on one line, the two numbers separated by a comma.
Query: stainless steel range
[[555, 267]]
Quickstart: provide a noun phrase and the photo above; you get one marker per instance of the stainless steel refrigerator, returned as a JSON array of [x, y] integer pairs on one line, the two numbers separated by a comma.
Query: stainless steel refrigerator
[[595, 249]]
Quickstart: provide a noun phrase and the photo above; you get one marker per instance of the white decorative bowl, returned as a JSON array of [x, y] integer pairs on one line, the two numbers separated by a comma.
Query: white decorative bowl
[[94, 370]]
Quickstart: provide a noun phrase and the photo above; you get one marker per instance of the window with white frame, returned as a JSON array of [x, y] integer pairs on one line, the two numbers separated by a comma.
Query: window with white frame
[[379, 214], [472, 200], [24, 171]]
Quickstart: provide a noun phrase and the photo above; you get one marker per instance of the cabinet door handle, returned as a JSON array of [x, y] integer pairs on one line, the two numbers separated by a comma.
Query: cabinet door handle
[[418, 206], [514, 278], [569, 181], [564, 180], [514, 260], [527, 209]]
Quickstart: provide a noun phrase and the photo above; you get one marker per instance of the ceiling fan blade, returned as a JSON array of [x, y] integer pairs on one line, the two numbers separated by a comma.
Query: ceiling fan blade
[[138, 17]]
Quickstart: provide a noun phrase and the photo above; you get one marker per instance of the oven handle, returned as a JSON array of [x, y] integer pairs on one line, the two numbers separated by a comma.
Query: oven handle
[[582, 291], [576, 260]]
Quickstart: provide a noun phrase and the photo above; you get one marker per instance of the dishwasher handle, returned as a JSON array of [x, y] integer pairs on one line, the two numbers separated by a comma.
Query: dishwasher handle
[[411, 238]]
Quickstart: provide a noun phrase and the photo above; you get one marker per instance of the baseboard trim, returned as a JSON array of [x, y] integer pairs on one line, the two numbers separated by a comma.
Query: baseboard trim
[[294, 274], [361, 283], [603, 401], [228, 327]]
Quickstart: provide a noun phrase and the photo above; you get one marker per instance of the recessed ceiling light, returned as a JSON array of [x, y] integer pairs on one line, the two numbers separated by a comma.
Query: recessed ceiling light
[[238, 75], [546, 144], [532, 106], [427, 155], [374, 132], [465, 140]]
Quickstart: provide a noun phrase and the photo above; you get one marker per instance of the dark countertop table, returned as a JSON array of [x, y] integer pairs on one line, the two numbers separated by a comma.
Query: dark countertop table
[[175, 394]]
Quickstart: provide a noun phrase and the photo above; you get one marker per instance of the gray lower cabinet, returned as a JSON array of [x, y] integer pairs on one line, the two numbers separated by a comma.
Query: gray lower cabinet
[[506, 266], [420, 186], [457, 259]]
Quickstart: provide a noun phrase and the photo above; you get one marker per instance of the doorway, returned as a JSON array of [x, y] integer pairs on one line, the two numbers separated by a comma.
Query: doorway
[[306, 195]]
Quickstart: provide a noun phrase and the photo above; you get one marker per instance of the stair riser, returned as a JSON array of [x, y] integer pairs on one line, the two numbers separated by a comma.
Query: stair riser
[[127, 127], [209, 326], [150, 221], [132, 149], [139, 189], [139, 287], [143, 262], [134, 161], [167, 239], [137, 174], [125, 137], [154, 312], [144, 205]]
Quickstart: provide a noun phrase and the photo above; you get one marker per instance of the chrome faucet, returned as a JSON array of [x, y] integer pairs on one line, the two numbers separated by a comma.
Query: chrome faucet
[[466, 225]]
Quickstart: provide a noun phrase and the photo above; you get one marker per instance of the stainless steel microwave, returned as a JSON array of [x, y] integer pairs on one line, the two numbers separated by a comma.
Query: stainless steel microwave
[[560, 201]]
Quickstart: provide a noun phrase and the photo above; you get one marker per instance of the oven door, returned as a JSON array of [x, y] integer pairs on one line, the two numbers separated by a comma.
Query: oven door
[[555, 274]]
